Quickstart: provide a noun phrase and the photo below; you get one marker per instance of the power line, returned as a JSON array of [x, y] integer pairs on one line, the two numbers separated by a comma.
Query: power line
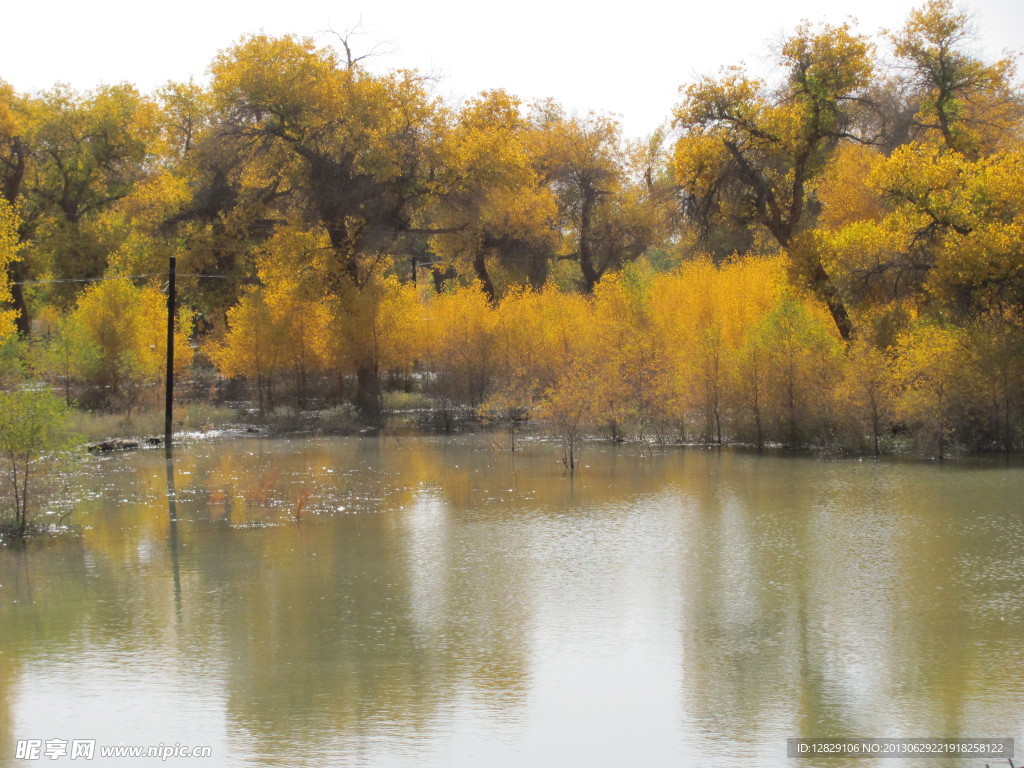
[[251, 279], [102, 278], [85, 279], [240, 278]]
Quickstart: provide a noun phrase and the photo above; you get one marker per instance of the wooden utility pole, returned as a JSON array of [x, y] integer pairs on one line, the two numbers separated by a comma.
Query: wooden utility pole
[[169, 393]]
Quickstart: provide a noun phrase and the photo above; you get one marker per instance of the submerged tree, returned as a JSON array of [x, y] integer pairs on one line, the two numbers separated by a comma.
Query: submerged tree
[[33, 428]]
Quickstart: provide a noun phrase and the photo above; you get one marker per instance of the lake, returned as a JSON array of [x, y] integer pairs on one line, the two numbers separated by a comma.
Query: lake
[[419, 601]]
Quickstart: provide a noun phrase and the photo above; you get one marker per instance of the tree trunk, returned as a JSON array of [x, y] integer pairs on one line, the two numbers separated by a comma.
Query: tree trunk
[[440, 277], [942, 429], [820, 280], [875, 424], [718, 423], [590, 275], [17, 272], [368, 394], [537, 271], [480, 268], [259, 391], [822, 283], [791, 398], [1007, 433], [24, 497], [16, 170]]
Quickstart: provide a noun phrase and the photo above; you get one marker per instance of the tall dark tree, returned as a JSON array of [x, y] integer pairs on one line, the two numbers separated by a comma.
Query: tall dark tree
[[760, 148], [324, 142]]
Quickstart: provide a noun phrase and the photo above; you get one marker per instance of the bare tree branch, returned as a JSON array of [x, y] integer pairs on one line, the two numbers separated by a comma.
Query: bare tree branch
[[346, 38]]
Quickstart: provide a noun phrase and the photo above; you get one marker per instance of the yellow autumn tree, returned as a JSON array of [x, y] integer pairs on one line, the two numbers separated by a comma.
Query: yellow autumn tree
[[537, 336], [937, 374], [751, 289], [998, 341], [569, 396], [612, 197], [279, 329], [459, 348], [688, 307], [967, 104], [800, 359], [516, 355], [865, 395], [378, 329], [251, 348], [491, 208], [629, 357], [757, 148], [569, 407], [947, 237], [123, 328], [355, 151]]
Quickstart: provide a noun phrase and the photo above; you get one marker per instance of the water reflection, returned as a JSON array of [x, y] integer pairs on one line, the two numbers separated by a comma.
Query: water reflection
[[431, 602], [172, 524]]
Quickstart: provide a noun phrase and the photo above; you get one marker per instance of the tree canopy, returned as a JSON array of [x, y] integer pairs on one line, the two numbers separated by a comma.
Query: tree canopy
[[872, 182]]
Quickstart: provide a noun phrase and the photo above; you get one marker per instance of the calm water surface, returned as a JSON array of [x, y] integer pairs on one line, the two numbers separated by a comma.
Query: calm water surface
[[431, 602]]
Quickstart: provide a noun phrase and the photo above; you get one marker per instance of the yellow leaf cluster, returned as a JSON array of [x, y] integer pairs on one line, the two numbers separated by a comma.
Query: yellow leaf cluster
[[124, 327]]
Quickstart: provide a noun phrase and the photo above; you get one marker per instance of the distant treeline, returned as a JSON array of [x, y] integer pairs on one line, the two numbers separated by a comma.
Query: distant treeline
[[830, 256]]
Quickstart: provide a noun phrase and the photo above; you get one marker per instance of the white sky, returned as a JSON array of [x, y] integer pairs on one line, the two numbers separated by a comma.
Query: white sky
[[627, 57]]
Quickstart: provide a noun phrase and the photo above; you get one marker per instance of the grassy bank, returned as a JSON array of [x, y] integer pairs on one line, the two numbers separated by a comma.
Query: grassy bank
[[92, 426]]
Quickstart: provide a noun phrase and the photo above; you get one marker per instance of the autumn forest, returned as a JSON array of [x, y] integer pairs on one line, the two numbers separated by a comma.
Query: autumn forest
[[828, 254]]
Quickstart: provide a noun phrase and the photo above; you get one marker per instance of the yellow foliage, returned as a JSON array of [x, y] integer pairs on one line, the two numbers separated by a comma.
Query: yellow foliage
[[700, 160], [375, 328], [251, 348], [829, 62], [865, 394], [937, 374], [459, 344], [949, 231], [9, 245], [629, 360], [124, 328], [844, 190], [489, 196], [283, 325], [969, 106], [10, 121], [321, 178], [569, 405]]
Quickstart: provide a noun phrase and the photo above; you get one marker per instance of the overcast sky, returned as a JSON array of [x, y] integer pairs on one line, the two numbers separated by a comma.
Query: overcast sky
[[628, 57]]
